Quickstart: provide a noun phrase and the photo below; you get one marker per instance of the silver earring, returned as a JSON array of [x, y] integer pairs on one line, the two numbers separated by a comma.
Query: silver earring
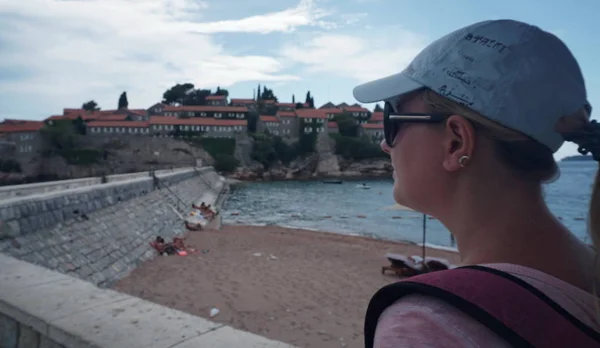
[[462, 161]]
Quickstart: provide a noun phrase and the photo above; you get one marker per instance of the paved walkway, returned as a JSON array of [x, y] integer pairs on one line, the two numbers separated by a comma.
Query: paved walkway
[[75, 313]]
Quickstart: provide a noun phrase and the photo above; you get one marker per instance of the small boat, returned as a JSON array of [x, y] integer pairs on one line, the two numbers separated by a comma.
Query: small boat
[[363, 186], [332, 181]]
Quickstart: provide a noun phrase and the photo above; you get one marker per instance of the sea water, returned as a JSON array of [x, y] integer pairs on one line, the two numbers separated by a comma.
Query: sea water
[[348, 209]]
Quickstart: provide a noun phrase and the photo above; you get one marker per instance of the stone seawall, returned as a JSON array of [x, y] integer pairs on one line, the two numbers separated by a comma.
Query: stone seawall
[[22, 215], [13, 191], [101, 233]]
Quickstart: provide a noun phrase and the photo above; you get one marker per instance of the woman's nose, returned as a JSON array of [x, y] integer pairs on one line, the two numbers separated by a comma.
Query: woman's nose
[[384, 147]]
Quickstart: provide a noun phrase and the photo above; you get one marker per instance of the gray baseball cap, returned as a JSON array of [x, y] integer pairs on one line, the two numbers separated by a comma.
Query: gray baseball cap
[[511, 72]]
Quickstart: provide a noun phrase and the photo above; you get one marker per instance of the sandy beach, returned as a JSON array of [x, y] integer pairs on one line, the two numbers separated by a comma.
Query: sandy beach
[[309, 289]]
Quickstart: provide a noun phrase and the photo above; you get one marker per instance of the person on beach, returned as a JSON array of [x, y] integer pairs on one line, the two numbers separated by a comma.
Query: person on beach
[[471, 126]]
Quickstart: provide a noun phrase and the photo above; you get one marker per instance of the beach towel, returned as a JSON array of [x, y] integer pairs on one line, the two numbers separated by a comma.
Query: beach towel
[[513, 309]]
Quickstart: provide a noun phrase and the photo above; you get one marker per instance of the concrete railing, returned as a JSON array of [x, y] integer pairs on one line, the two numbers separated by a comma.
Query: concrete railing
[[43, 308], [21, 215], [12, 191]]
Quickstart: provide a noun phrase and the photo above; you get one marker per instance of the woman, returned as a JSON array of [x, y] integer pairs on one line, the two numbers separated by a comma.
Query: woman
[[471, 126]]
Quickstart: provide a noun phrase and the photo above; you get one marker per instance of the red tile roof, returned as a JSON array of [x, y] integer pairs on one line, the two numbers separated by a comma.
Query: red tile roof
[[140, 112], [215, 97], [311, 113], [69, 110], [372, 126], [124, 124], [377, 117], [269, 101], [196, 121], [121, 117], [334, 111], [206, 108], [356, 109], [15, 121], [332, 124], [243, 101], [81, 111], [266, 118], [18, 126], [286, 113], [74, 115], [290, 105]]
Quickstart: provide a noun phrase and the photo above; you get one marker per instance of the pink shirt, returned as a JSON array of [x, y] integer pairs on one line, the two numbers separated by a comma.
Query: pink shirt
[[422, 321]]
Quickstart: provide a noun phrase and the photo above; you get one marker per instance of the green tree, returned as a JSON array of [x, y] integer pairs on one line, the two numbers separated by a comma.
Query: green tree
[[267, 94], [354, 148], [263, 150], [221, 91], [79, 126], [269, 149], [258, 96], [293, 99], [378, 108], [90, 106], [307, 141], [253, 117], [225, 163], [123, 103], [310, 101], [346, 124], [177, 93], [196, 97], [60, 136]]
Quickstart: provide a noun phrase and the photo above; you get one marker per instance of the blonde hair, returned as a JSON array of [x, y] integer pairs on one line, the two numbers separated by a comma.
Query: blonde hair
[[528, 157]]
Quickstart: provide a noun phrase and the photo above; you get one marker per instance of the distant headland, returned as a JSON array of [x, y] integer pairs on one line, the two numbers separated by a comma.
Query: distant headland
[[577, 158]]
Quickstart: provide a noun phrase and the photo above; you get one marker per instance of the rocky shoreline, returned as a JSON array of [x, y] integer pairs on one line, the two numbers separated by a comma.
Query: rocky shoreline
[[306, 169]]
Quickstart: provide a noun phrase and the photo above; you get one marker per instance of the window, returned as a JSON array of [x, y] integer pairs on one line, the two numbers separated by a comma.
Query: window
[[218, 115]]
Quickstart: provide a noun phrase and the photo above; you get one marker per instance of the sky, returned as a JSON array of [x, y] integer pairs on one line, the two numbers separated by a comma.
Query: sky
[[56, 54]]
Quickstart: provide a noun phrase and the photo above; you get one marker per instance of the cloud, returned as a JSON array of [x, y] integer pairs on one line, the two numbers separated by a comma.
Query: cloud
[[306, 14], [364, 56], [62, 53]]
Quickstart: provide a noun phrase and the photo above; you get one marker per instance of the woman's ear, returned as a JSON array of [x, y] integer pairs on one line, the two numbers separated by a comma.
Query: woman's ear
[[459, 141]]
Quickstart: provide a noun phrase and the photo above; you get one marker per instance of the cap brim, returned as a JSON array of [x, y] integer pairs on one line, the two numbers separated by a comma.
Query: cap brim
[[385, 88]]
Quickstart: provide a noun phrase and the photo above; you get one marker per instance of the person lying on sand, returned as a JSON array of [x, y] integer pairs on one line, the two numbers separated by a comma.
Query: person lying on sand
[[177, 247], [471, 126]]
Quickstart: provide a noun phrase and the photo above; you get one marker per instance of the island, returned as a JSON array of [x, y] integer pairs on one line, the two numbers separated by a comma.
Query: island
[[578, 158]]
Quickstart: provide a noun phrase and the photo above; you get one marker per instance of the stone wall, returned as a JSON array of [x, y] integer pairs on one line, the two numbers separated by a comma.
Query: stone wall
[[40, 308], [101, 233], [127, 155]]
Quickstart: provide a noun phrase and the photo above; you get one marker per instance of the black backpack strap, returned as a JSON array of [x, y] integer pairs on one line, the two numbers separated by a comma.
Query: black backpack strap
[[513, 309]]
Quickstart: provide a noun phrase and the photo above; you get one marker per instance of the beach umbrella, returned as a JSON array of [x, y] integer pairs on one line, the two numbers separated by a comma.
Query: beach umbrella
[[402, 207]]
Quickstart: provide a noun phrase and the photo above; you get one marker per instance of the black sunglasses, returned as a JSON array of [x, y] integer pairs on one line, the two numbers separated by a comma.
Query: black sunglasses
[[392, 121]]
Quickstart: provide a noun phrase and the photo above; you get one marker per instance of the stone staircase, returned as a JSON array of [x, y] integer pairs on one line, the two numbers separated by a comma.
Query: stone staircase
[[328, 164], [243, 148]]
